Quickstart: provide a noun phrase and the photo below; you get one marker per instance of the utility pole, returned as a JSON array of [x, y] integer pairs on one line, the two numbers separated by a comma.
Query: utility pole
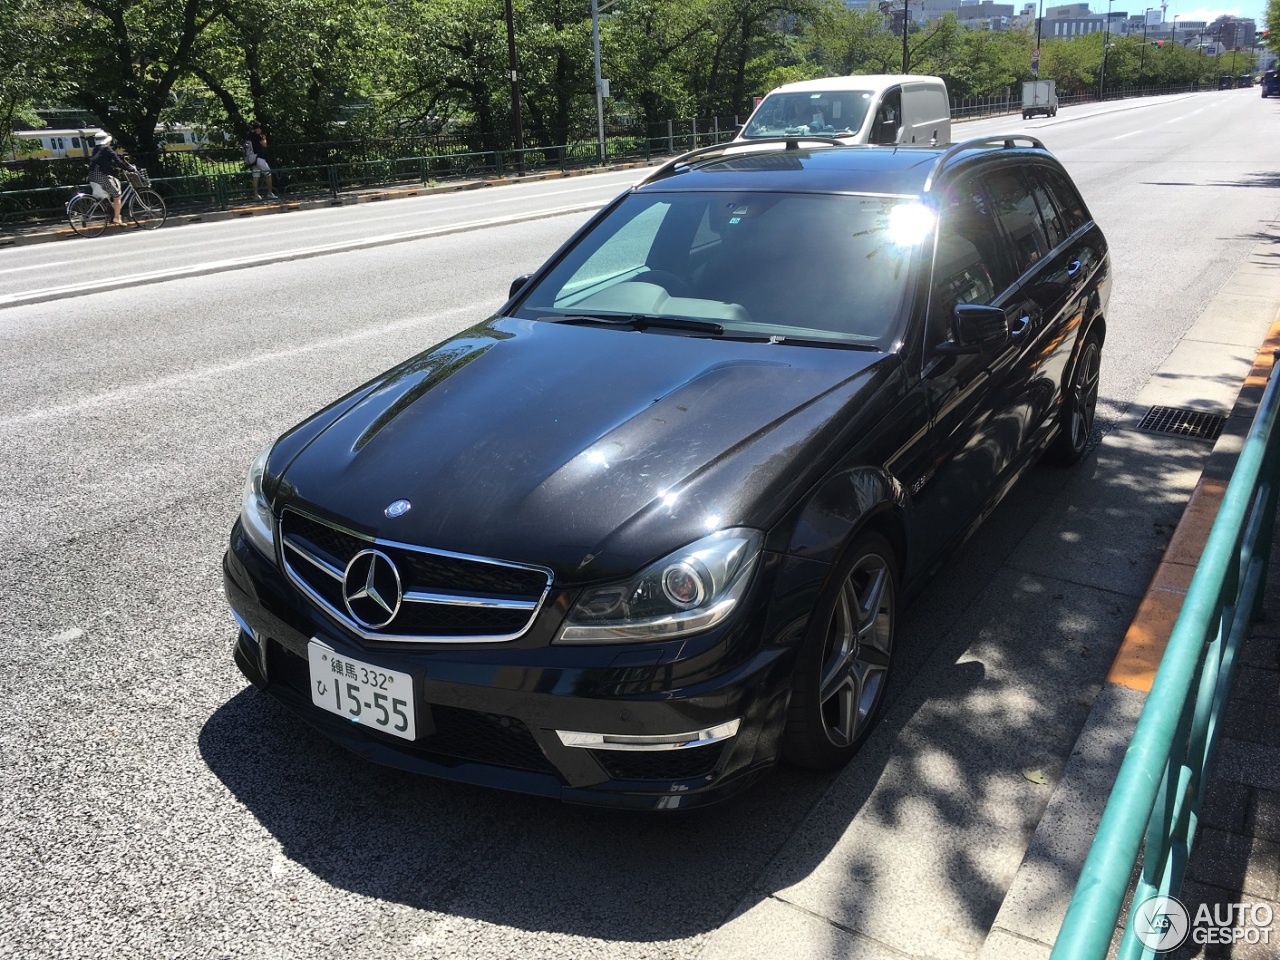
[[906, 19], [1106, 43], [595, 49], [515, 84], [1035, 61]]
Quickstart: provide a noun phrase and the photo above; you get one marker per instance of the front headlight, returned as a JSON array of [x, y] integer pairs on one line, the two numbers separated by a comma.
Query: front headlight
[[255, 512], [688, 591]]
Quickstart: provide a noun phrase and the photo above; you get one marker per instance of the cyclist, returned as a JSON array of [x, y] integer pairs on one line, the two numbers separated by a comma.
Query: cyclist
[[102, 163]]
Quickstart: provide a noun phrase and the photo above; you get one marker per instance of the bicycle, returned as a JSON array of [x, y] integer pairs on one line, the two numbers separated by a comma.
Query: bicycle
[[88, 213]]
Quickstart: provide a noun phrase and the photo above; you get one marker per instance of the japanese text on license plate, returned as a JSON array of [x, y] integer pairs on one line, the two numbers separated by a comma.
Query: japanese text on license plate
[[361, 692]]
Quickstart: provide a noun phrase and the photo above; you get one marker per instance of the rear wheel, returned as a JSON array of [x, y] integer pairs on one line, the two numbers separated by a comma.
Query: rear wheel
[[147, 210], [1079, 406], [88, 216], [838, 689]]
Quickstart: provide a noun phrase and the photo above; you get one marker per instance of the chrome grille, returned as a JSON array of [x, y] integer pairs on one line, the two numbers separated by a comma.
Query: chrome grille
[[447, 597]]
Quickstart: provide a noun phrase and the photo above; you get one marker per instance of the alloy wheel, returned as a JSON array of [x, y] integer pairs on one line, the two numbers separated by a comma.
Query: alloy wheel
[[855, 659]]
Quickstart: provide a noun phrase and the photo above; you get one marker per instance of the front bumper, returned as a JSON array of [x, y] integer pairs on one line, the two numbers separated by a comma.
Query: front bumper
[[498, 716]]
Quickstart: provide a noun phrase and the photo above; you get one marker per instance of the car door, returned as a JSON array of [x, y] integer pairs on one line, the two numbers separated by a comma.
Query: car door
[[1045, 282], [1079, 256], [973, 393]]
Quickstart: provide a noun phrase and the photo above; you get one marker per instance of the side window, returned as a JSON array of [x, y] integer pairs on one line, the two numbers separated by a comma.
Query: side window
[[1019, 216], [969, 265], [888, 119], [1074, 215], [1053, 225]]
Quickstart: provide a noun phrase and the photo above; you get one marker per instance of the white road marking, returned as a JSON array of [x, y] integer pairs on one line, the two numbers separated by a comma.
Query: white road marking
[[38, 266], [298, 253], [187, 377]]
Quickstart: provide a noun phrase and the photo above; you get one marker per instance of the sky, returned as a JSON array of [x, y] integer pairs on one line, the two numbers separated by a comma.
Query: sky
[[1255, 10]]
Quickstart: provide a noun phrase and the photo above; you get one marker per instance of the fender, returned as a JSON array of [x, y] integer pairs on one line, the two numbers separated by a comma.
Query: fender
[[845, 502]]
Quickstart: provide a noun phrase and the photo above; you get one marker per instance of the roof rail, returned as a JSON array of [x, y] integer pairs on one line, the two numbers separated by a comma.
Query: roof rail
[[1006, 141], [792, 143]]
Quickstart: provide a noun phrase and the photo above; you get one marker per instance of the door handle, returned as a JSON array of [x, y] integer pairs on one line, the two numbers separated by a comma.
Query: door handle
[[1020, 326], [1073, 268]]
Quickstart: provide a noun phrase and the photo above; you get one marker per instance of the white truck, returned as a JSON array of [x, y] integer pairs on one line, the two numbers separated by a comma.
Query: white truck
[[1039, 96], [877, 108]]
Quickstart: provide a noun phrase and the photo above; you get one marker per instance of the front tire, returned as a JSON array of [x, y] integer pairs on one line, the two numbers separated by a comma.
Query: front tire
[[842, 672], [147, 210], [1079, 406]]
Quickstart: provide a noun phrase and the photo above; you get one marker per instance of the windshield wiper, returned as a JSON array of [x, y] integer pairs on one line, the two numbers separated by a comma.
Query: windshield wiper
[[641, 321], [821, 342]]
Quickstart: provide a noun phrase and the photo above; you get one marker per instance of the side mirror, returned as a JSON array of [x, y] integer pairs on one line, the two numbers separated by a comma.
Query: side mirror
[[975, 326], [518, 284], [980, 325], [887, 131]]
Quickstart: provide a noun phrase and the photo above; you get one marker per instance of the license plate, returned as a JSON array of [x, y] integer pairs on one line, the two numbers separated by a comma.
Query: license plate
[[361, 692]]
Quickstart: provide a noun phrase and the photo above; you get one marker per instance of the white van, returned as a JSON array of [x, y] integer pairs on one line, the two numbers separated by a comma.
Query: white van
[[876, 108]]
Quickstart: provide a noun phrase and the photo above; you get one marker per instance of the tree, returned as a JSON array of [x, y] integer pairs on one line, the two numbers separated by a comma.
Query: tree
[[24, 82], [121, 59], [296, 70]]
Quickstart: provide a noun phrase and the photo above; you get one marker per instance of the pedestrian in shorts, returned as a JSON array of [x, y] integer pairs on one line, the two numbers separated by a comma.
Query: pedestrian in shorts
[[256, 147]]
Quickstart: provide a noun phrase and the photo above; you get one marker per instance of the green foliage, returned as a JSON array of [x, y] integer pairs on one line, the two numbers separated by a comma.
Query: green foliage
[[24, 83], [368, 70]]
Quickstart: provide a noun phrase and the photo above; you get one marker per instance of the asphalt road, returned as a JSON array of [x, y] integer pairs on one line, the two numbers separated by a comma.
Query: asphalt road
[[154, 806]]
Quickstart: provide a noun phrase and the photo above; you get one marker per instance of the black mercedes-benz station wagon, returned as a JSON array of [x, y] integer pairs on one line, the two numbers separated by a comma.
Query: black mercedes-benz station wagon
[[649, 529]]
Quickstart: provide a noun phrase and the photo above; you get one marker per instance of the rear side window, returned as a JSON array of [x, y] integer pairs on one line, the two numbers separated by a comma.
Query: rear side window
[[1019, 216], [1053, 225], [1070, 206]]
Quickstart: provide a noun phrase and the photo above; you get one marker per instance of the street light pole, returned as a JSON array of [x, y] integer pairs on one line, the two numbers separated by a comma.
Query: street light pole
[[1106, 42], [1142, 64], [595, 47], [1039, 23], [906, 18]]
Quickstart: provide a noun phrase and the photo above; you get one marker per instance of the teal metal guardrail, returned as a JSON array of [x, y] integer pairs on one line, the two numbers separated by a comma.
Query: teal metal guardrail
[[1161, 783]]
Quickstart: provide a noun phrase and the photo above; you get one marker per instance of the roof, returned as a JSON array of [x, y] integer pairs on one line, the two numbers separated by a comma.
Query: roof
[[870, 82], [821, 165]]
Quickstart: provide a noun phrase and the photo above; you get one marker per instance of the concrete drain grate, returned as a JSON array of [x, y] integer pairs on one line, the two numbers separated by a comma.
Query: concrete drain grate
[[1183, 423]]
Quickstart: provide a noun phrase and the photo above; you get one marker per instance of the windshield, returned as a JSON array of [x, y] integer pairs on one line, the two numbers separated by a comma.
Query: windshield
[[781, 114], [822, 266]]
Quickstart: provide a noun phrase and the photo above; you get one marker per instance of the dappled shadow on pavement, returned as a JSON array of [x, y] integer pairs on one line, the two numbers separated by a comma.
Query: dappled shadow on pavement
[[936, 824]]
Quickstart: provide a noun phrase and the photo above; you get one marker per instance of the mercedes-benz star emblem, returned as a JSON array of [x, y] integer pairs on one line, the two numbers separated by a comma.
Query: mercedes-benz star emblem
[[371, 589], [397, 509]]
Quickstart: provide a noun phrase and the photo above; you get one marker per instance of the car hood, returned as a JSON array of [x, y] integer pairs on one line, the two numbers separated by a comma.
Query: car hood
[[588, 450]]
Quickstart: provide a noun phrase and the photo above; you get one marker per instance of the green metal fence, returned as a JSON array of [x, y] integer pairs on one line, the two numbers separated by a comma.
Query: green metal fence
[[226, 183], [1161, 783]]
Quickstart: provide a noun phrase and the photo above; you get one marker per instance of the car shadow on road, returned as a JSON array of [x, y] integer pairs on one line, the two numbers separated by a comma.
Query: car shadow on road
[[500, 858], [1002, 657]]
